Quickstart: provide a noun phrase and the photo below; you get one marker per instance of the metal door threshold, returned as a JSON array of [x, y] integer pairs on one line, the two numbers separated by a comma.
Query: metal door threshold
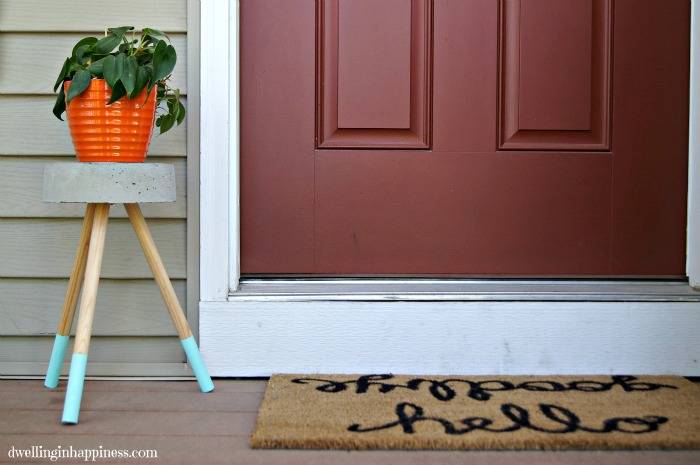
[[369, 289]]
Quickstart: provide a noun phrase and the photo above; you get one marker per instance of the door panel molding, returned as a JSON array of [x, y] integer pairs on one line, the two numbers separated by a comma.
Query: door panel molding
[[348, 88], [544, 75]]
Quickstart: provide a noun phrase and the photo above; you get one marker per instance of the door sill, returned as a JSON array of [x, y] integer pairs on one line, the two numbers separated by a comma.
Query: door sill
[[496, 290], [429, 326]]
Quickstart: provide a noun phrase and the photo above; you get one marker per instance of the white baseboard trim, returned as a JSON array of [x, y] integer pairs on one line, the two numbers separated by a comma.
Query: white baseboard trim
[[257, 338]]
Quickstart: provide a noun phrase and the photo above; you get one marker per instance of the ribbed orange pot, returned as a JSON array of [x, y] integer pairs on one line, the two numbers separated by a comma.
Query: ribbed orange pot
[[119, 132]]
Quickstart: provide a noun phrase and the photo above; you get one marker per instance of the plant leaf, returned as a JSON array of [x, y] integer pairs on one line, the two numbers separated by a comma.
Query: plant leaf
[[150, 35], [143, 74], [118, 92], [97, 67], [119, 64], [109, 70], [155, 33], [152, 83], [74, 66], [128, 77], [119, 31], [83, 53], [60, 106], [62, 74], [89, 41], [167, 122], [113, 68], [181, 113], [145, 56], [159, 47], [164, 59], [80, 82], [174, 109], [106, 44]]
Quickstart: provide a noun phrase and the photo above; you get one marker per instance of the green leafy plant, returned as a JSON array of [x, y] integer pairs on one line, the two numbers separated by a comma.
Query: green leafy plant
[[129, 65]]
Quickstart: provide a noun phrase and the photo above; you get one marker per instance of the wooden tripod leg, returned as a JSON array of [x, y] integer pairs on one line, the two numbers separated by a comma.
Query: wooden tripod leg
[[76, 277], [169, 296], [76, 377]]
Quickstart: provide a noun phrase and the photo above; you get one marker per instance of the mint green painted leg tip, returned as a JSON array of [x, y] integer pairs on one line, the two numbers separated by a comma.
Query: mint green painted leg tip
[[74, 392], [197, 364], [58, 353]]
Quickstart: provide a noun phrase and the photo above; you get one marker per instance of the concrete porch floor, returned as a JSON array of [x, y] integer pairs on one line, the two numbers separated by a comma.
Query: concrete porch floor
[[187, 427]]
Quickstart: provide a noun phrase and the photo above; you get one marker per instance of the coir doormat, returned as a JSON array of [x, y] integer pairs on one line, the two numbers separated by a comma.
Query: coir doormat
[[466, 412]]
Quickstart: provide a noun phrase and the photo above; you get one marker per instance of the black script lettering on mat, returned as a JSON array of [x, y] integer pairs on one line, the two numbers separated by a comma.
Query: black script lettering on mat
[[446, 389], [565, 421]]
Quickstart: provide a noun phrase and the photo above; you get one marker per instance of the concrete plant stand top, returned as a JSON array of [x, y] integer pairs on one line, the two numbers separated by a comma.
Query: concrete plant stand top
[[109, 182]]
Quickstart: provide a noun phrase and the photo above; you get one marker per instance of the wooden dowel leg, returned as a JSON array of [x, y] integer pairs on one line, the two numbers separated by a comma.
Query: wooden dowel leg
[[169, 296], [76, 377], [60, 344]]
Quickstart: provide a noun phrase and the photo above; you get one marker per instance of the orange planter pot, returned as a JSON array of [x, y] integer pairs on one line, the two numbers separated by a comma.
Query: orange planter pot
[[119, 132]]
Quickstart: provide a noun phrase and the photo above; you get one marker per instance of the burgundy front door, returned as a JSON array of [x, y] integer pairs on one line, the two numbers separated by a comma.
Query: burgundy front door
[[464, 137]]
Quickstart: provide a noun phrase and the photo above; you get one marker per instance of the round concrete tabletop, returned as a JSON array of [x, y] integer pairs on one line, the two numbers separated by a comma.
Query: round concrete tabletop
[[109, 182]]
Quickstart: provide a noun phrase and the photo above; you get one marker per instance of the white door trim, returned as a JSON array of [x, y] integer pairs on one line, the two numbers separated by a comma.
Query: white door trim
[[450, 338], [218, 163], [234, 330], [693, 259]]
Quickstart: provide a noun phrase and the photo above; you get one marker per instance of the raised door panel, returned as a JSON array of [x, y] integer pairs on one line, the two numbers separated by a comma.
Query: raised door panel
[[455, 213], [373, 74], [277, 134], [650, 128], [374, 59], [555, 75]]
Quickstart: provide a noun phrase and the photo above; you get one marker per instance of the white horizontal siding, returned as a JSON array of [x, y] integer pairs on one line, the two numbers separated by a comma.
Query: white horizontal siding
[[133, 332], [102, 349], [91, 15], [147, 370], [45, 247], [30, 306], [31, 62]]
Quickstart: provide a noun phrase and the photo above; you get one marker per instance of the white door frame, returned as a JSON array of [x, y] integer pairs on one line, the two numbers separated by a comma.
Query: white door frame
[[256, 333], [693, 244]]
